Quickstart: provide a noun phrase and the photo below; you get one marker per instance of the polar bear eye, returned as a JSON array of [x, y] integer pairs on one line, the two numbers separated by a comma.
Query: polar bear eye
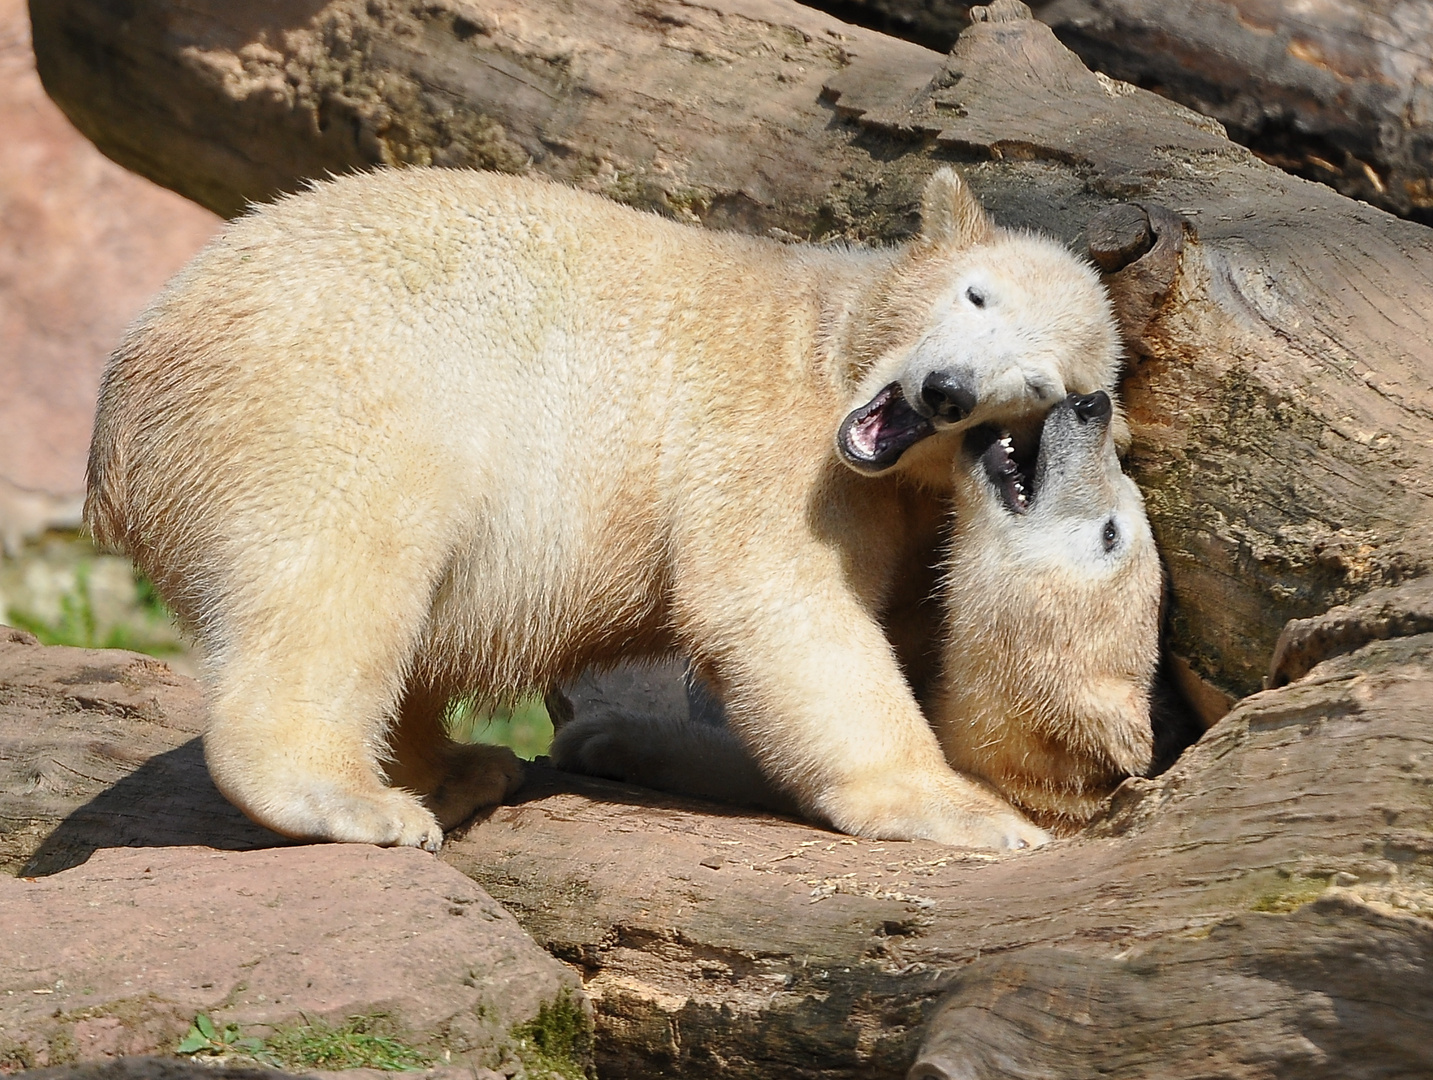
[[1111, 535], [975, 296]]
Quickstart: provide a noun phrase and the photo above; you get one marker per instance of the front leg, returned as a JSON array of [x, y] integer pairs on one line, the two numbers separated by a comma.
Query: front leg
[[814, 692]]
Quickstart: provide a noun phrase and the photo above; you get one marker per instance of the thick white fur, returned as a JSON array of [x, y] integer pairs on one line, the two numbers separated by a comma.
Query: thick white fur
[[1052, 630], [422, 433], [1049, 651]]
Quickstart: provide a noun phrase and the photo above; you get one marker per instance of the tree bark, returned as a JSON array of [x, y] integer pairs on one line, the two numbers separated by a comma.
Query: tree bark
[[1339, 91], [1282, 335], [1264, 909]]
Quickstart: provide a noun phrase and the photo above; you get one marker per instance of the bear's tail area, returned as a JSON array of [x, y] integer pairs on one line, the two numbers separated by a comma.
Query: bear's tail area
[[105, 487]]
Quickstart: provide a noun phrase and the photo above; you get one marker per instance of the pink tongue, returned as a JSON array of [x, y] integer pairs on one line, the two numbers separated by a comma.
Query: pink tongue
[[865, 434]]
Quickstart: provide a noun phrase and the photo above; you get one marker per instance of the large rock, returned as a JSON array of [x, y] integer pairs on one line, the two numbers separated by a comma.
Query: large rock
[[83, 246], [117, 956], [1264, 909], [102, 777], [100, 748]]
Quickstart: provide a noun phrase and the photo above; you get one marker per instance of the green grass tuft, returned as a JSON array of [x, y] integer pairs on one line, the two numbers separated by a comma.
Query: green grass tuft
[[525, 727], [209, 1040], [558, 1041], [357, 1044], [354, 1045]]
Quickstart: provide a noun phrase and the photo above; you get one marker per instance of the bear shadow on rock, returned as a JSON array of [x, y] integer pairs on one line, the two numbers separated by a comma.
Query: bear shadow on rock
[[169, 801], [101, 748]]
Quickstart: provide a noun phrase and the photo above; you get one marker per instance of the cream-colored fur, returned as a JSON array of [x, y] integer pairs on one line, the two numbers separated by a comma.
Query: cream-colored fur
[[1049, 646], [424, 433], [1052, 632]]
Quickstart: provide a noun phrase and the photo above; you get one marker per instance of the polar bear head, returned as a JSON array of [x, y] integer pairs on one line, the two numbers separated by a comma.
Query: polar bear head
[[973, 325], [1053, 590]]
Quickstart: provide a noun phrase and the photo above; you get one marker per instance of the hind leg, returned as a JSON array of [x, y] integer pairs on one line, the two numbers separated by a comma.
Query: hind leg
[[454, 780], [309, 640]]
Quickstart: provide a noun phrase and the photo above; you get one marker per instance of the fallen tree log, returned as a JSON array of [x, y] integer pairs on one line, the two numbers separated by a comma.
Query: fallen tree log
[[1264, 909], [1339, 91], [1283, 335]]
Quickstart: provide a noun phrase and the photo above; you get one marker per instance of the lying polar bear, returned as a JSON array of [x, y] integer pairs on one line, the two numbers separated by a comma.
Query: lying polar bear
[[418, 434], [1052, 590]]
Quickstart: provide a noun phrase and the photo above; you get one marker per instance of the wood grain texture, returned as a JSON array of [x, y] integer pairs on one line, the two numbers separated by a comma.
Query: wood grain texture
[[1338, 91], [1264, 909]]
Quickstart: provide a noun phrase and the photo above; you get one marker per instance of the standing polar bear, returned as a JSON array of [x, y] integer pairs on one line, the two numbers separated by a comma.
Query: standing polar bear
[[418, 434]]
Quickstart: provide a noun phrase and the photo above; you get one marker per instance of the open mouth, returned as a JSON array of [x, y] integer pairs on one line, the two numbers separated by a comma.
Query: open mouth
[[1008, 460], [873, 437]]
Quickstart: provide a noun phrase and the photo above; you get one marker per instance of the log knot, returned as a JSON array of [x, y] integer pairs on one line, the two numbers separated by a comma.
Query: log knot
[[1118, 235], [1139, 246]]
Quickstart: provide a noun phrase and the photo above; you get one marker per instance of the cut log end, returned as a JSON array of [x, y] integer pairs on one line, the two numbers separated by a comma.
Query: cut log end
[[1119, 235]]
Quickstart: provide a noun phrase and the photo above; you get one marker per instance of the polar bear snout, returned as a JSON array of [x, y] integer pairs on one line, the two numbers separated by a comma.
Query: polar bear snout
[[947, 395], [1096, 407], [1008, 387]]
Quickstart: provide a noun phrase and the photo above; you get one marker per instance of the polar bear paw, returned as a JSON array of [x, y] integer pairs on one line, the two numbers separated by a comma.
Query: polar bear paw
[[387, 817], [612, 746], [1004, 832], [949, 809], [681, 756], [475, 776]]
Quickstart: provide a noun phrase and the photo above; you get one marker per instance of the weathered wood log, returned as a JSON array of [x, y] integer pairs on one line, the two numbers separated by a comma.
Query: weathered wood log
[[1265, 909], [1339, 91], [1283, 335]]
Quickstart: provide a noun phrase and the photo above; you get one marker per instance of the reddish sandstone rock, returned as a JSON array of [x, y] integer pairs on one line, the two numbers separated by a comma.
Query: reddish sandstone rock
[[100, 748], [83, 245], [116, 957]]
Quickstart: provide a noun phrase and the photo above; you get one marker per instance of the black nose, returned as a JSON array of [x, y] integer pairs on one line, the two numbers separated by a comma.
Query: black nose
[[947, 396], [1094, 406]]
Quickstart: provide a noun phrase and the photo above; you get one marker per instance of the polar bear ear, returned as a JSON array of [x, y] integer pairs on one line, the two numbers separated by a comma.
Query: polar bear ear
[[951, 214]]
